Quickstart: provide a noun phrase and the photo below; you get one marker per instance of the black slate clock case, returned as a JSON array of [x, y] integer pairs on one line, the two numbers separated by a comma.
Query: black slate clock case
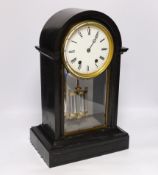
[[48, 138]]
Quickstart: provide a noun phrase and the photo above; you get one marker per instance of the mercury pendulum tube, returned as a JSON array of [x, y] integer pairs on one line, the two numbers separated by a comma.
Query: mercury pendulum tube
[[75, 99]]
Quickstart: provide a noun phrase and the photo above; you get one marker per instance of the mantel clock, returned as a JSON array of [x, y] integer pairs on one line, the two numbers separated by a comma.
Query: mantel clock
[[80, 66]]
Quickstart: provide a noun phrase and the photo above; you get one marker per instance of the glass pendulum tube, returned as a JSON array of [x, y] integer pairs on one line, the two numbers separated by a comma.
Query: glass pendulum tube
[[72, 104], [76, 106], [81, 101]]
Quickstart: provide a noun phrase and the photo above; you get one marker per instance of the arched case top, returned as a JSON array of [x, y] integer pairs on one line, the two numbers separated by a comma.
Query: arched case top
[[58, 25]]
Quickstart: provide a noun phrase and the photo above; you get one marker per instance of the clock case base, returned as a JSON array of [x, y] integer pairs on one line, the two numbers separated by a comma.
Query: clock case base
[[80, 147]]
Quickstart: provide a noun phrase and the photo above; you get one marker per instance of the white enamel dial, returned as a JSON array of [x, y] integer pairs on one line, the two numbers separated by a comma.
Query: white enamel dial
[[88, 49]]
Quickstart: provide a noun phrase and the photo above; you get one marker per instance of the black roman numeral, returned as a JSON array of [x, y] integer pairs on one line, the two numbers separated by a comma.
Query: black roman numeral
[[89, 30], [73, 60], [72, 51], [102, 58], [74, 41], [79, 66], [102, 40], [87, 68], [104, 49], [80, 34]]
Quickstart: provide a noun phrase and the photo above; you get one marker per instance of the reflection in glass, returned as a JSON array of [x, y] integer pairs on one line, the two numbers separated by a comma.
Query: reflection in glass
[[84, 103]]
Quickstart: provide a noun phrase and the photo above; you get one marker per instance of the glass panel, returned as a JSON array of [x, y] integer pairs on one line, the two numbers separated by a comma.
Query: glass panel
[[84, 103]]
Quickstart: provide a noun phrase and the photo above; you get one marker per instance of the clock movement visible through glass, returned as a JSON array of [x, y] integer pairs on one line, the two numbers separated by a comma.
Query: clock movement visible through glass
[[87, 52]]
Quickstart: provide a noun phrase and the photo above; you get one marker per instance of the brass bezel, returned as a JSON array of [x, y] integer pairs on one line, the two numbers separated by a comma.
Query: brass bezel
[[110, 55]]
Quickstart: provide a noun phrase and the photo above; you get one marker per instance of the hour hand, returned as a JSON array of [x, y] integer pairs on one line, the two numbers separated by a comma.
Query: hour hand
[[94, 40]]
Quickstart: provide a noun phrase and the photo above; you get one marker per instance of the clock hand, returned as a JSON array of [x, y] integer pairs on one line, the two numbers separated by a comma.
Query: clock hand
[[94, 40]]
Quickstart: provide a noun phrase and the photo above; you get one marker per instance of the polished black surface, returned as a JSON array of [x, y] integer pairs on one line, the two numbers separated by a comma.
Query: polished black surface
[[78, 147], [51, 131]]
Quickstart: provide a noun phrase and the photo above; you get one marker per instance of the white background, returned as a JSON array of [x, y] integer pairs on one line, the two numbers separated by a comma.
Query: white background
[[20, 107]]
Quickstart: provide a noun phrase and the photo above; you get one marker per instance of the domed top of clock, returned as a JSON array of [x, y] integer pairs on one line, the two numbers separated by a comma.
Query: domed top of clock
[[85, 41]]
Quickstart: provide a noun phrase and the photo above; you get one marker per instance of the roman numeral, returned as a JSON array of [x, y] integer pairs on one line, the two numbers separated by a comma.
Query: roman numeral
[[73, 60], [102, 40], [72, 51], [87, 68], [104, 49], [102, 58], [74, 41], [89, 30], [79, 67], [80, 34]]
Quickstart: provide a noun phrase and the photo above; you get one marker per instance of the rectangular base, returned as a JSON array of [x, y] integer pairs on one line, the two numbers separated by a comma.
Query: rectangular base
[[75, 148]]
